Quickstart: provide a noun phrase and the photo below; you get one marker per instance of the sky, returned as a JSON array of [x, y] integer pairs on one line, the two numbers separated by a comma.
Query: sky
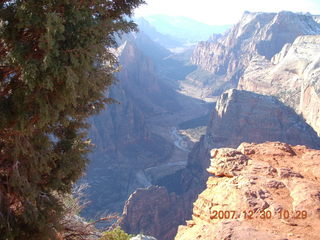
[[220, 12]]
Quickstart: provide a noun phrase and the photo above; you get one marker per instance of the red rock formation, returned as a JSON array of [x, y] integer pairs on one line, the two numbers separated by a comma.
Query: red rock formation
[[278, 182], [152, 211], [238, 116]]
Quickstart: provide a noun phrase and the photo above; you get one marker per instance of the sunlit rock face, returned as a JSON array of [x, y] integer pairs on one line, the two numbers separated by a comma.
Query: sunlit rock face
[[152, 211], [258, 191], [246, 116], [239, 116], [243, 116], [223, 61], [292, 75]]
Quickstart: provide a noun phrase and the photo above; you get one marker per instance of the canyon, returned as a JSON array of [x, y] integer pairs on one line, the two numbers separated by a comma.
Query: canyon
[[257, 82]]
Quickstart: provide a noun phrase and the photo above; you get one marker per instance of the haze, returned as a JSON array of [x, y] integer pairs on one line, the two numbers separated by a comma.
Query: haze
[[215, 12]]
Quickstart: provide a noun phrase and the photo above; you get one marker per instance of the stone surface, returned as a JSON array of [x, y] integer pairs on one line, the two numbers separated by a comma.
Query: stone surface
[[293, 76], [242, 116], [269, 178], [246, 116], [125, 144], [136, 140], [238, 116], [152, 211], [223, 61]]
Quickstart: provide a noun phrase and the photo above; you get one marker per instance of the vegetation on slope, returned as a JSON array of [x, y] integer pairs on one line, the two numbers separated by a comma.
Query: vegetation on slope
[[54, 69]]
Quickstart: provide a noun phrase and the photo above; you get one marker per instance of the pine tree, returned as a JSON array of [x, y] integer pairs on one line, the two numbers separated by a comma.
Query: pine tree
[[55, 67]]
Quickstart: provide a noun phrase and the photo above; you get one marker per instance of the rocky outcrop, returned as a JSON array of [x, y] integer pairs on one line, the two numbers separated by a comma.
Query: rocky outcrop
[[239, 116], [222, 62], [246, 116], [292, 75], [258, 191], [153, 212], [242, 116], [164, 40]]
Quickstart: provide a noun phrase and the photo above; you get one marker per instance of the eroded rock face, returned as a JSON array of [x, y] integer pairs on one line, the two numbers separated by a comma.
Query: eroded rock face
[[242, 116], [292, 75], [278, 182], [152, 211], [124, 142], [246, 116], [263, 35], [238, 116]]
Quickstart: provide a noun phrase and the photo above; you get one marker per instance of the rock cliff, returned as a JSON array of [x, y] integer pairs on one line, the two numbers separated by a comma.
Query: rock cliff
[[124, 142], [153, 212], [246, 116], [292, 75], [258, 191], [223, 61], [239, 116], [136, 140], [242, 116]]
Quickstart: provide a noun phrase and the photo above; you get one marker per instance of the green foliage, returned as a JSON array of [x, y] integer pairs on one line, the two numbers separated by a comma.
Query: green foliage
[[54, 69], [116, 234]]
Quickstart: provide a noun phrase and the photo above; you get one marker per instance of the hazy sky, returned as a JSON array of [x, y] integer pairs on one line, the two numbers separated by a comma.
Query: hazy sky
[[219, 12]]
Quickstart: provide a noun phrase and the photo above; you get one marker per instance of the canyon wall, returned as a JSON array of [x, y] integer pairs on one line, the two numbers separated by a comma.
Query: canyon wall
[[257, 35], [124, 143], [239, 116], [292, 75]]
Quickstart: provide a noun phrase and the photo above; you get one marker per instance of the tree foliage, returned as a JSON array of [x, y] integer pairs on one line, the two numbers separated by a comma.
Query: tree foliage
[[54, 69], [115, 234]]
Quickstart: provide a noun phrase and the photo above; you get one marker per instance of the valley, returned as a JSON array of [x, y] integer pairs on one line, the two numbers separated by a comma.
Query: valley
[[258, 82]]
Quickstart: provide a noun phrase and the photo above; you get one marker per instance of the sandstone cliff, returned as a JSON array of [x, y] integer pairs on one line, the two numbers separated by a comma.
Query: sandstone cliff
[[292, 75], [124, 142], [242, 116], [279, 182], [239, 116], [152, 211], [223, 61]]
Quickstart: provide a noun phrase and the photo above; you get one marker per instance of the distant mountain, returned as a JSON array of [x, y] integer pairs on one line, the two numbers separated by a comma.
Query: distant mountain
[[223, 61], [184, 29], [164, 40]]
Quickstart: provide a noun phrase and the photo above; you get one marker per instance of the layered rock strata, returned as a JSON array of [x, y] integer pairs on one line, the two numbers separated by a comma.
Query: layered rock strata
[[243, 116], [292, 75], [223, 61], [246, 116], [258, 191]]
